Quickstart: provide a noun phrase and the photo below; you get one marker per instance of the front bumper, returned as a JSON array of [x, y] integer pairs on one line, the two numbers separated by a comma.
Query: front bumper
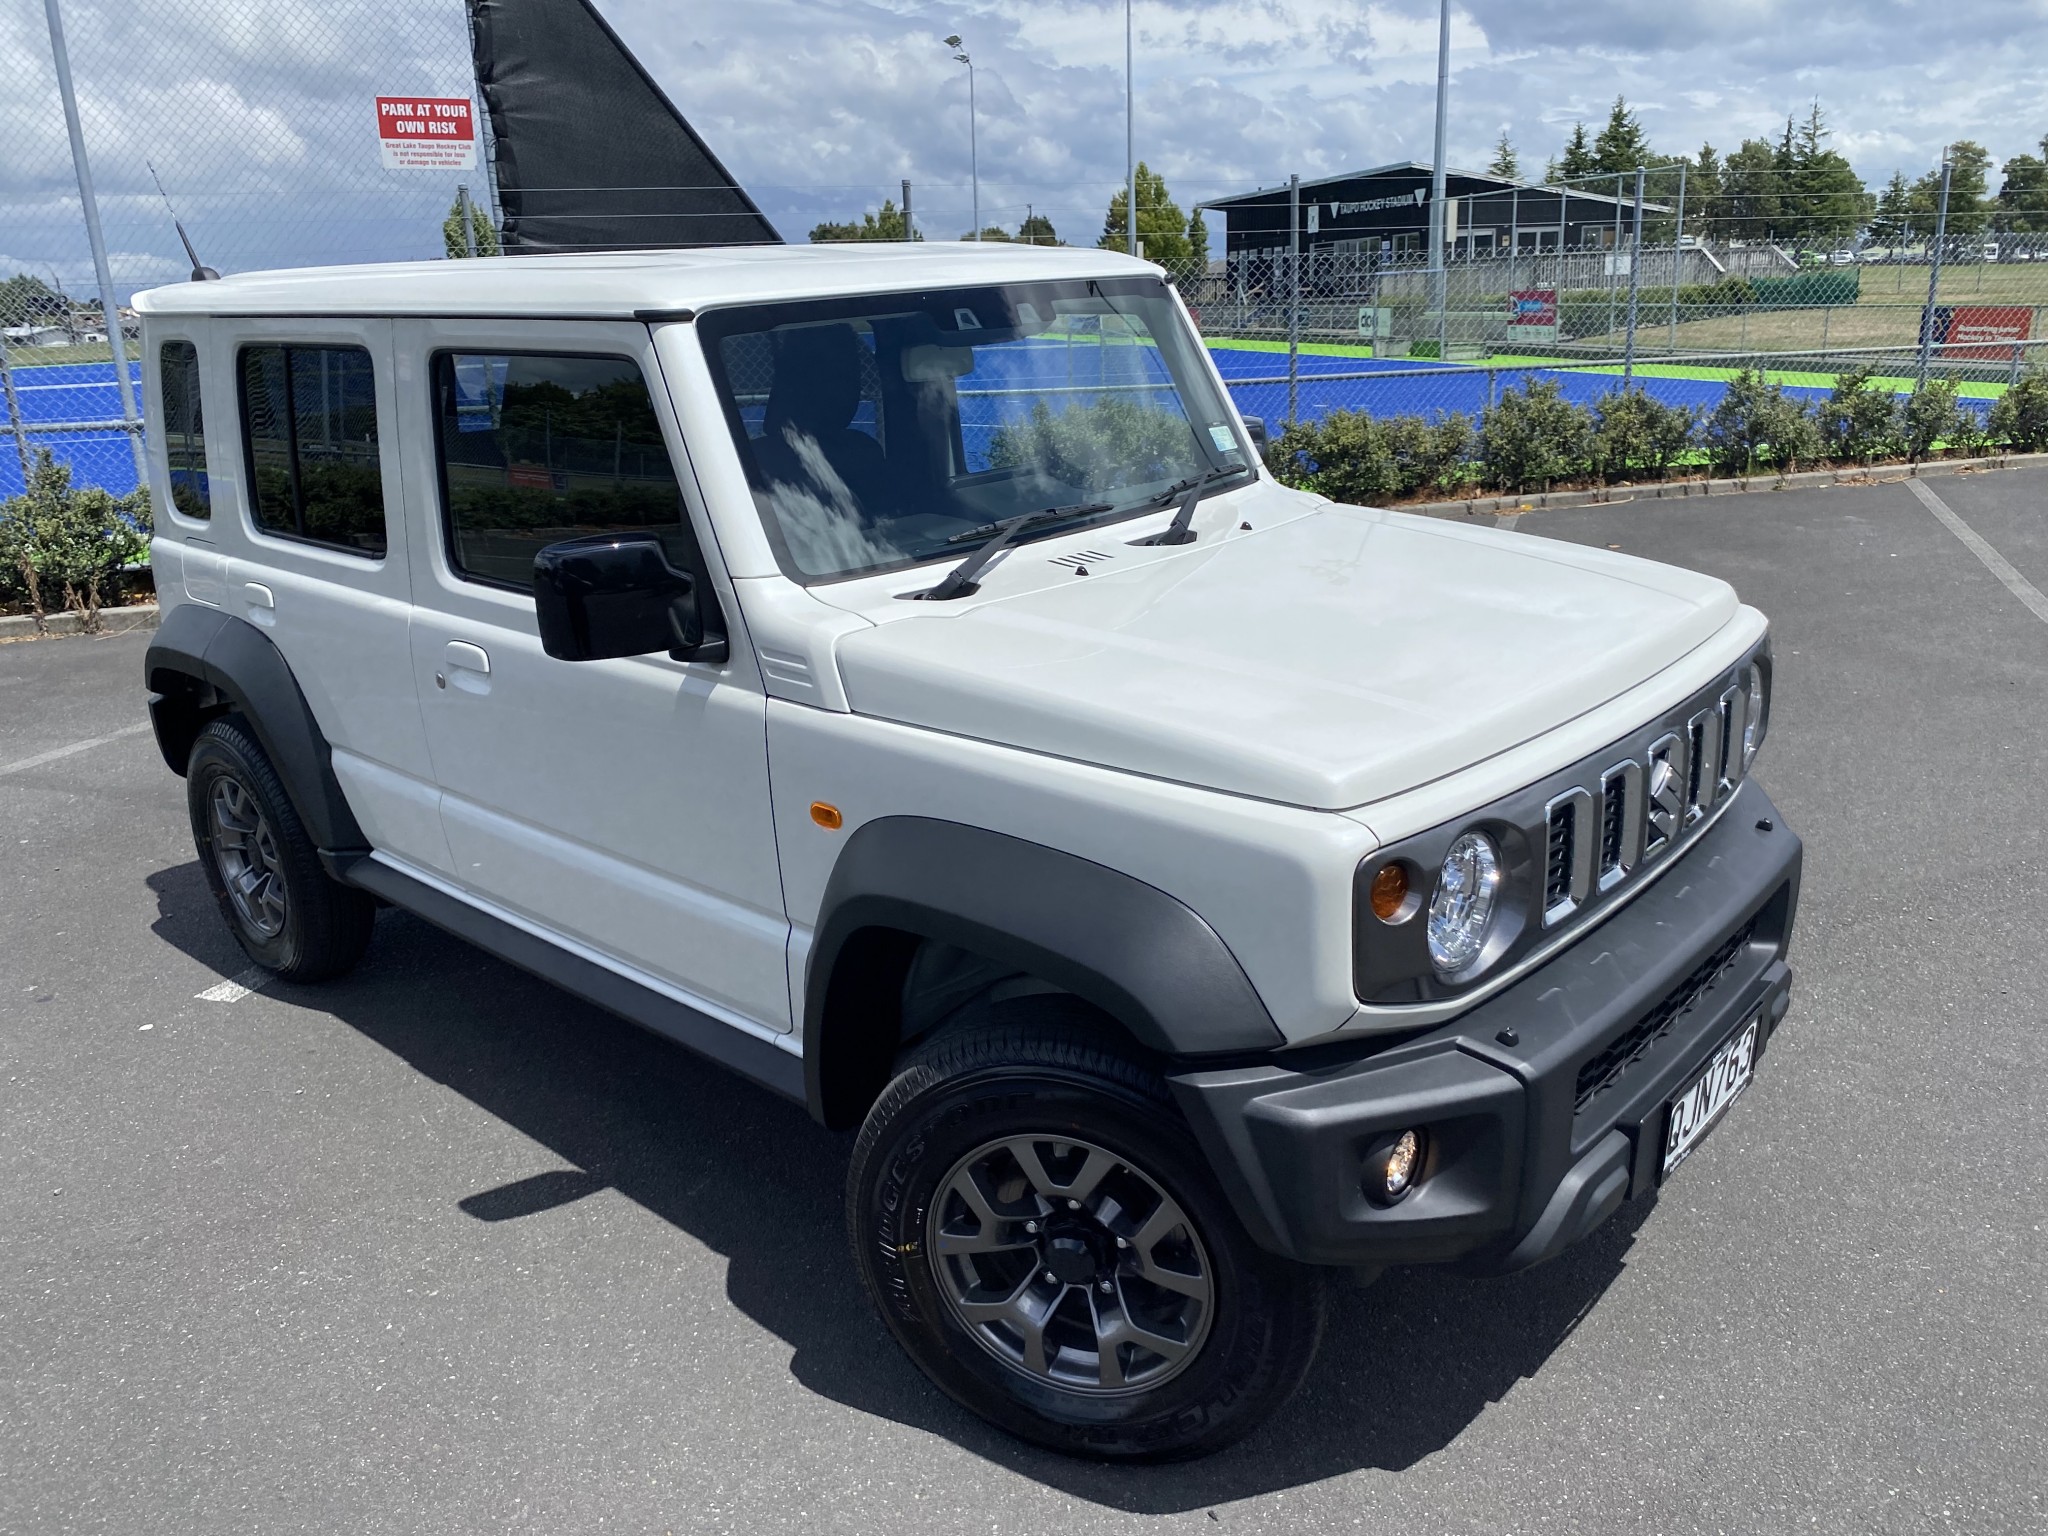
[[1544, 1106]]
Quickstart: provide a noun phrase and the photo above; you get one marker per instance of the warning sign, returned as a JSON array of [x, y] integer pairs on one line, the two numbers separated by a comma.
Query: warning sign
[[432, 133], [1973, 331]]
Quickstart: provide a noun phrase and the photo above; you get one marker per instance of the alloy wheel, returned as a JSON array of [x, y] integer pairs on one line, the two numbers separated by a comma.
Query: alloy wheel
[[245, 850]]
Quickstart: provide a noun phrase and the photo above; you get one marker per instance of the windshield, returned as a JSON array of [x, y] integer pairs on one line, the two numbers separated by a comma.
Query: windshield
[[876, 431]]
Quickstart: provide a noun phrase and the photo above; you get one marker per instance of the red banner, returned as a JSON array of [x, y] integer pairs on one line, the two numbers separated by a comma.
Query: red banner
[[1976, 331]]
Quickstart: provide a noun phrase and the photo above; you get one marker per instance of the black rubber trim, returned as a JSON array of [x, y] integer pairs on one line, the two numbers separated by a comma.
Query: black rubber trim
[[1129, 948], [198, 649], [1516, 1169], [753, 1058]]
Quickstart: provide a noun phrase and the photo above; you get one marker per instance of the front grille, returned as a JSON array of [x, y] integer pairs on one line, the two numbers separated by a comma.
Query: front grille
[[1557, 880], [1603, 1071], [1613, 829]]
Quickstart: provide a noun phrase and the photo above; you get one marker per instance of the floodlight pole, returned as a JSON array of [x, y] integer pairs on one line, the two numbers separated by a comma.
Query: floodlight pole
[[1933, 270], [961, 56], [1130, 137], [110, 312], [1678, 255], [909, 225], [1436, 176], [1635, 288]]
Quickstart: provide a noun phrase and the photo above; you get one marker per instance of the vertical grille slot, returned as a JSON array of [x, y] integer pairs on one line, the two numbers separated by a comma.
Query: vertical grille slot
[[1557, 879], [1613, 828]]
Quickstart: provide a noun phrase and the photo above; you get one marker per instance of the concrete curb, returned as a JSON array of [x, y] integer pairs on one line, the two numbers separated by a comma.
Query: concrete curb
[[1681, 490], [113, 621]]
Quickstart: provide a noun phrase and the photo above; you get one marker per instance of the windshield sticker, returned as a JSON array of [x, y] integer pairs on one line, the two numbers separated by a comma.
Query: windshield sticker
[[1221, 437]]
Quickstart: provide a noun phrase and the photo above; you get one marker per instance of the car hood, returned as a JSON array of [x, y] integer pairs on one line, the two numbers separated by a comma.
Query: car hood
[[1329, 661]]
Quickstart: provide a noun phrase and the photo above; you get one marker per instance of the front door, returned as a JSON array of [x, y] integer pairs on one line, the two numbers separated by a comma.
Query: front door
[[621, 806]]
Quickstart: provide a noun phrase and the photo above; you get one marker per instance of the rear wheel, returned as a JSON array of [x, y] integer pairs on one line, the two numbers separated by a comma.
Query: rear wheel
[[1043, 1236], [265, 873]]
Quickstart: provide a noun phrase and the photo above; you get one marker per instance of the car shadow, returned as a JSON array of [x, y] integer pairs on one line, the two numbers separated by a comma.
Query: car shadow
[[1406, 1365]]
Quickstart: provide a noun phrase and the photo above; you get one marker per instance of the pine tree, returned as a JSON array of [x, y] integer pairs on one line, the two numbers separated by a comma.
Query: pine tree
[[1576, 163], [1892, 224], [1504, 163], [1162, 228], [1198, 241], [1622, 145], [1703, 193], [1825, 200], [480, 231], [1037, 230]]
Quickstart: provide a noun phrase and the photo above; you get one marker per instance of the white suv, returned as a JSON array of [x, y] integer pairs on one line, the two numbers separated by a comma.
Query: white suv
[[891, 672]]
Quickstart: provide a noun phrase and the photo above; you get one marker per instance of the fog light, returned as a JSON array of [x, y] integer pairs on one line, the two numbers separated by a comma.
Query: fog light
[[1390, 1172]]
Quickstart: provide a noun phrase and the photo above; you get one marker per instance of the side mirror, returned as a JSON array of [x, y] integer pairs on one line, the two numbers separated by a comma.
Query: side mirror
[[615, 594], [1256, 426]]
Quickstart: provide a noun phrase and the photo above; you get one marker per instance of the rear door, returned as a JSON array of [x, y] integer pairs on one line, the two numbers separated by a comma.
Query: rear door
[[621, 805]]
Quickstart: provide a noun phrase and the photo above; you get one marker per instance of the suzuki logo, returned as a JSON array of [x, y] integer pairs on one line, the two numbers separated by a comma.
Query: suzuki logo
[[1667, 792]]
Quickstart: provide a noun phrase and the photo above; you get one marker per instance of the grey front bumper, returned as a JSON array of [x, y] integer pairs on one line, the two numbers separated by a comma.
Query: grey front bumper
[[1523, 1160]]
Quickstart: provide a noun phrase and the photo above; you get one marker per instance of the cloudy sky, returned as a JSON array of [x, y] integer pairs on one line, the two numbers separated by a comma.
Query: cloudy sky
[[256, 111]]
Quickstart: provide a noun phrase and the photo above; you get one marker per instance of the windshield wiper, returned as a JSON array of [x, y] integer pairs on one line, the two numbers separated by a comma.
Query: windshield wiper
[[960, 581], [1178, 531]]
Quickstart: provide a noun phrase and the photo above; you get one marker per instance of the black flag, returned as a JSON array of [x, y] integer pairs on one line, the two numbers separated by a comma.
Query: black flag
[[589, 154]]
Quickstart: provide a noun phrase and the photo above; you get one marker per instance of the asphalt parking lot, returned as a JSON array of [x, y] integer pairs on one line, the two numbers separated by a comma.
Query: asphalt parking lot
[[437, 1248]]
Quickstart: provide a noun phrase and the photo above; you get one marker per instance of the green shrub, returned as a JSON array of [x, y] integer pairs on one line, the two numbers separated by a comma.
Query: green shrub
[[1859, 423], [2020, 418], [1935, 419], [1351, 457], [1534, 437], [1424, 349], [1756, 426], [1635, 434], [1113, 441], [66, 546]]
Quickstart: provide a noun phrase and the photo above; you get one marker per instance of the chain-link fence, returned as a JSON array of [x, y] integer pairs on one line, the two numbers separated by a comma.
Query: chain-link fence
[[259, 119]]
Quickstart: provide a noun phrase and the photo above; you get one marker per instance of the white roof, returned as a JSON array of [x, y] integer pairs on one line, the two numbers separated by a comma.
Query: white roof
[[621, 285]]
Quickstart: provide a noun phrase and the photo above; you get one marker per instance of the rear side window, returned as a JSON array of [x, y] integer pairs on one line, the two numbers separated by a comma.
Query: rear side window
[[537, 448], [309, 417], [177, 372]]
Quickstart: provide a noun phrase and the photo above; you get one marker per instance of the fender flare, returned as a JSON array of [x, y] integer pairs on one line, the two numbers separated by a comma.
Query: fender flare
[[201, 656], [1139, 954]]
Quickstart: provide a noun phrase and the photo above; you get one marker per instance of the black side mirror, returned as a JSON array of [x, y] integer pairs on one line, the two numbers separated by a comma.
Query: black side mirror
[[1256, 426], [615, 594]]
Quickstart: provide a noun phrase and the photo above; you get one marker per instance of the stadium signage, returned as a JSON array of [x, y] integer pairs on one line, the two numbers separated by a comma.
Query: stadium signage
[[1414, 199], [431, 133]]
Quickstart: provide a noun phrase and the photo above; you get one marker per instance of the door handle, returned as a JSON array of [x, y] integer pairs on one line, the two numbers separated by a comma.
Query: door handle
[[469, 665], [258, 595]]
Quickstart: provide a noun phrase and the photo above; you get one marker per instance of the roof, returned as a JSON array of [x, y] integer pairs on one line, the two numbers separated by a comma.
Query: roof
[[623, 285], [1503, 183]]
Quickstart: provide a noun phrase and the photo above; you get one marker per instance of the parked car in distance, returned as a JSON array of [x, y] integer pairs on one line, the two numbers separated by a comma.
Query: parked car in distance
[[893, 673]]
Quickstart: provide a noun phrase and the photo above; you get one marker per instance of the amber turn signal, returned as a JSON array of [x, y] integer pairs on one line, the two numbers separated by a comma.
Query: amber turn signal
[[827, 816], [1389, 893]]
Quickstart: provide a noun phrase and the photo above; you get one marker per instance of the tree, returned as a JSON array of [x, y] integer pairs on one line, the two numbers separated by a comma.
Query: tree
[[1162, 227], [1576, 163], [2023, 196], [1825, 200], [1751, 185], [1037, 230], [24, 298], [1892, 222], [480, 231], [1504, 164], [889, 224], [1703, 195], [1967, 214], [1622, 145], [992, 234], [1198, 241]]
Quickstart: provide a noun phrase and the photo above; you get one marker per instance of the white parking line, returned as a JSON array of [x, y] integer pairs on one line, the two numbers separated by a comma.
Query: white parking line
[[1994, 562], [236, 988], [54, 753]]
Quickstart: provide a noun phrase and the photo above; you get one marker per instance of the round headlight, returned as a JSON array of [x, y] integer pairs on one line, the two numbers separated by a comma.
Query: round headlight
[[1467, 896], [1753, 716]]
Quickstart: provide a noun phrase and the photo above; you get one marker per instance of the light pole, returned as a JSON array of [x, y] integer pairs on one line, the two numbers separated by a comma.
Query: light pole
[[1437, 295], [1130, 139], [973, 150]]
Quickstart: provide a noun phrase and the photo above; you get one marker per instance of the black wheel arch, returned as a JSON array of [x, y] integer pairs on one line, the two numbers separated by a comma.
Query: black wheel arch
[[202, 663], [1139, 955]]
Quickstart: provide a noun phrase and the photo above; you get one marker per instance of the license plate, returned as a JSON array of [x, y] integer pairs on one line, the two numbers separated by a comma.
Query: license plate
[[1701, 1103]]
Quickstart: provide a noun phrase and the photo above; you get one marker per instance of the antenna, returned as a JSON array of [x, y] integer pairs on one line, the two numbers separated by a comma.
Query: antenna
[[200, 274]]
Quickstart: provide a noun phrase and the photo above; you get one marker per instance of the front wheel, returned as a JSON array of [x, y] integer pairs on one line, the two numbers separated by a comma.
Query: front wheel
[[1044, 1238]]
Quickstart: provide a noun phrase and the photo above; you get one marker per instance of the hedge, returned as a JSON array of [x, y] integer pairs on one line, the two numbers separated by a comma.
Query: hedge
[[1532, 438]]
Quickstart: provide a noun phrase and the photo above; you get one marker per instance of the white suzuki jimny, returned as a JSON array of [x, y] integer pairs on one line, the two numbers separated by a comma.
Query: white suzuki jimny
[[892, 673]]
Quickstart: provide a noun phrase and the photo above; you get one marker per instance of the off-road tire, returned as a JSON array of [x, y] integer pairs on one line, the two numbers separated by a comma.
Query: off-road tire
[[299, 922], [1041, 1068]]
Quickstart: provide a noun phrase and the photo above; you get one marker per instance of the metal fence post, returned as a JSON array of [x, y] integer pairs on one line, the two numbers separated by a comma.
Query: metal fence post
[[1293, 298], [1678, 255], [14, 412], [1933, 271], [462, 211], [1614, 254], [110, 312], [1635, 288], [909, 224]]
